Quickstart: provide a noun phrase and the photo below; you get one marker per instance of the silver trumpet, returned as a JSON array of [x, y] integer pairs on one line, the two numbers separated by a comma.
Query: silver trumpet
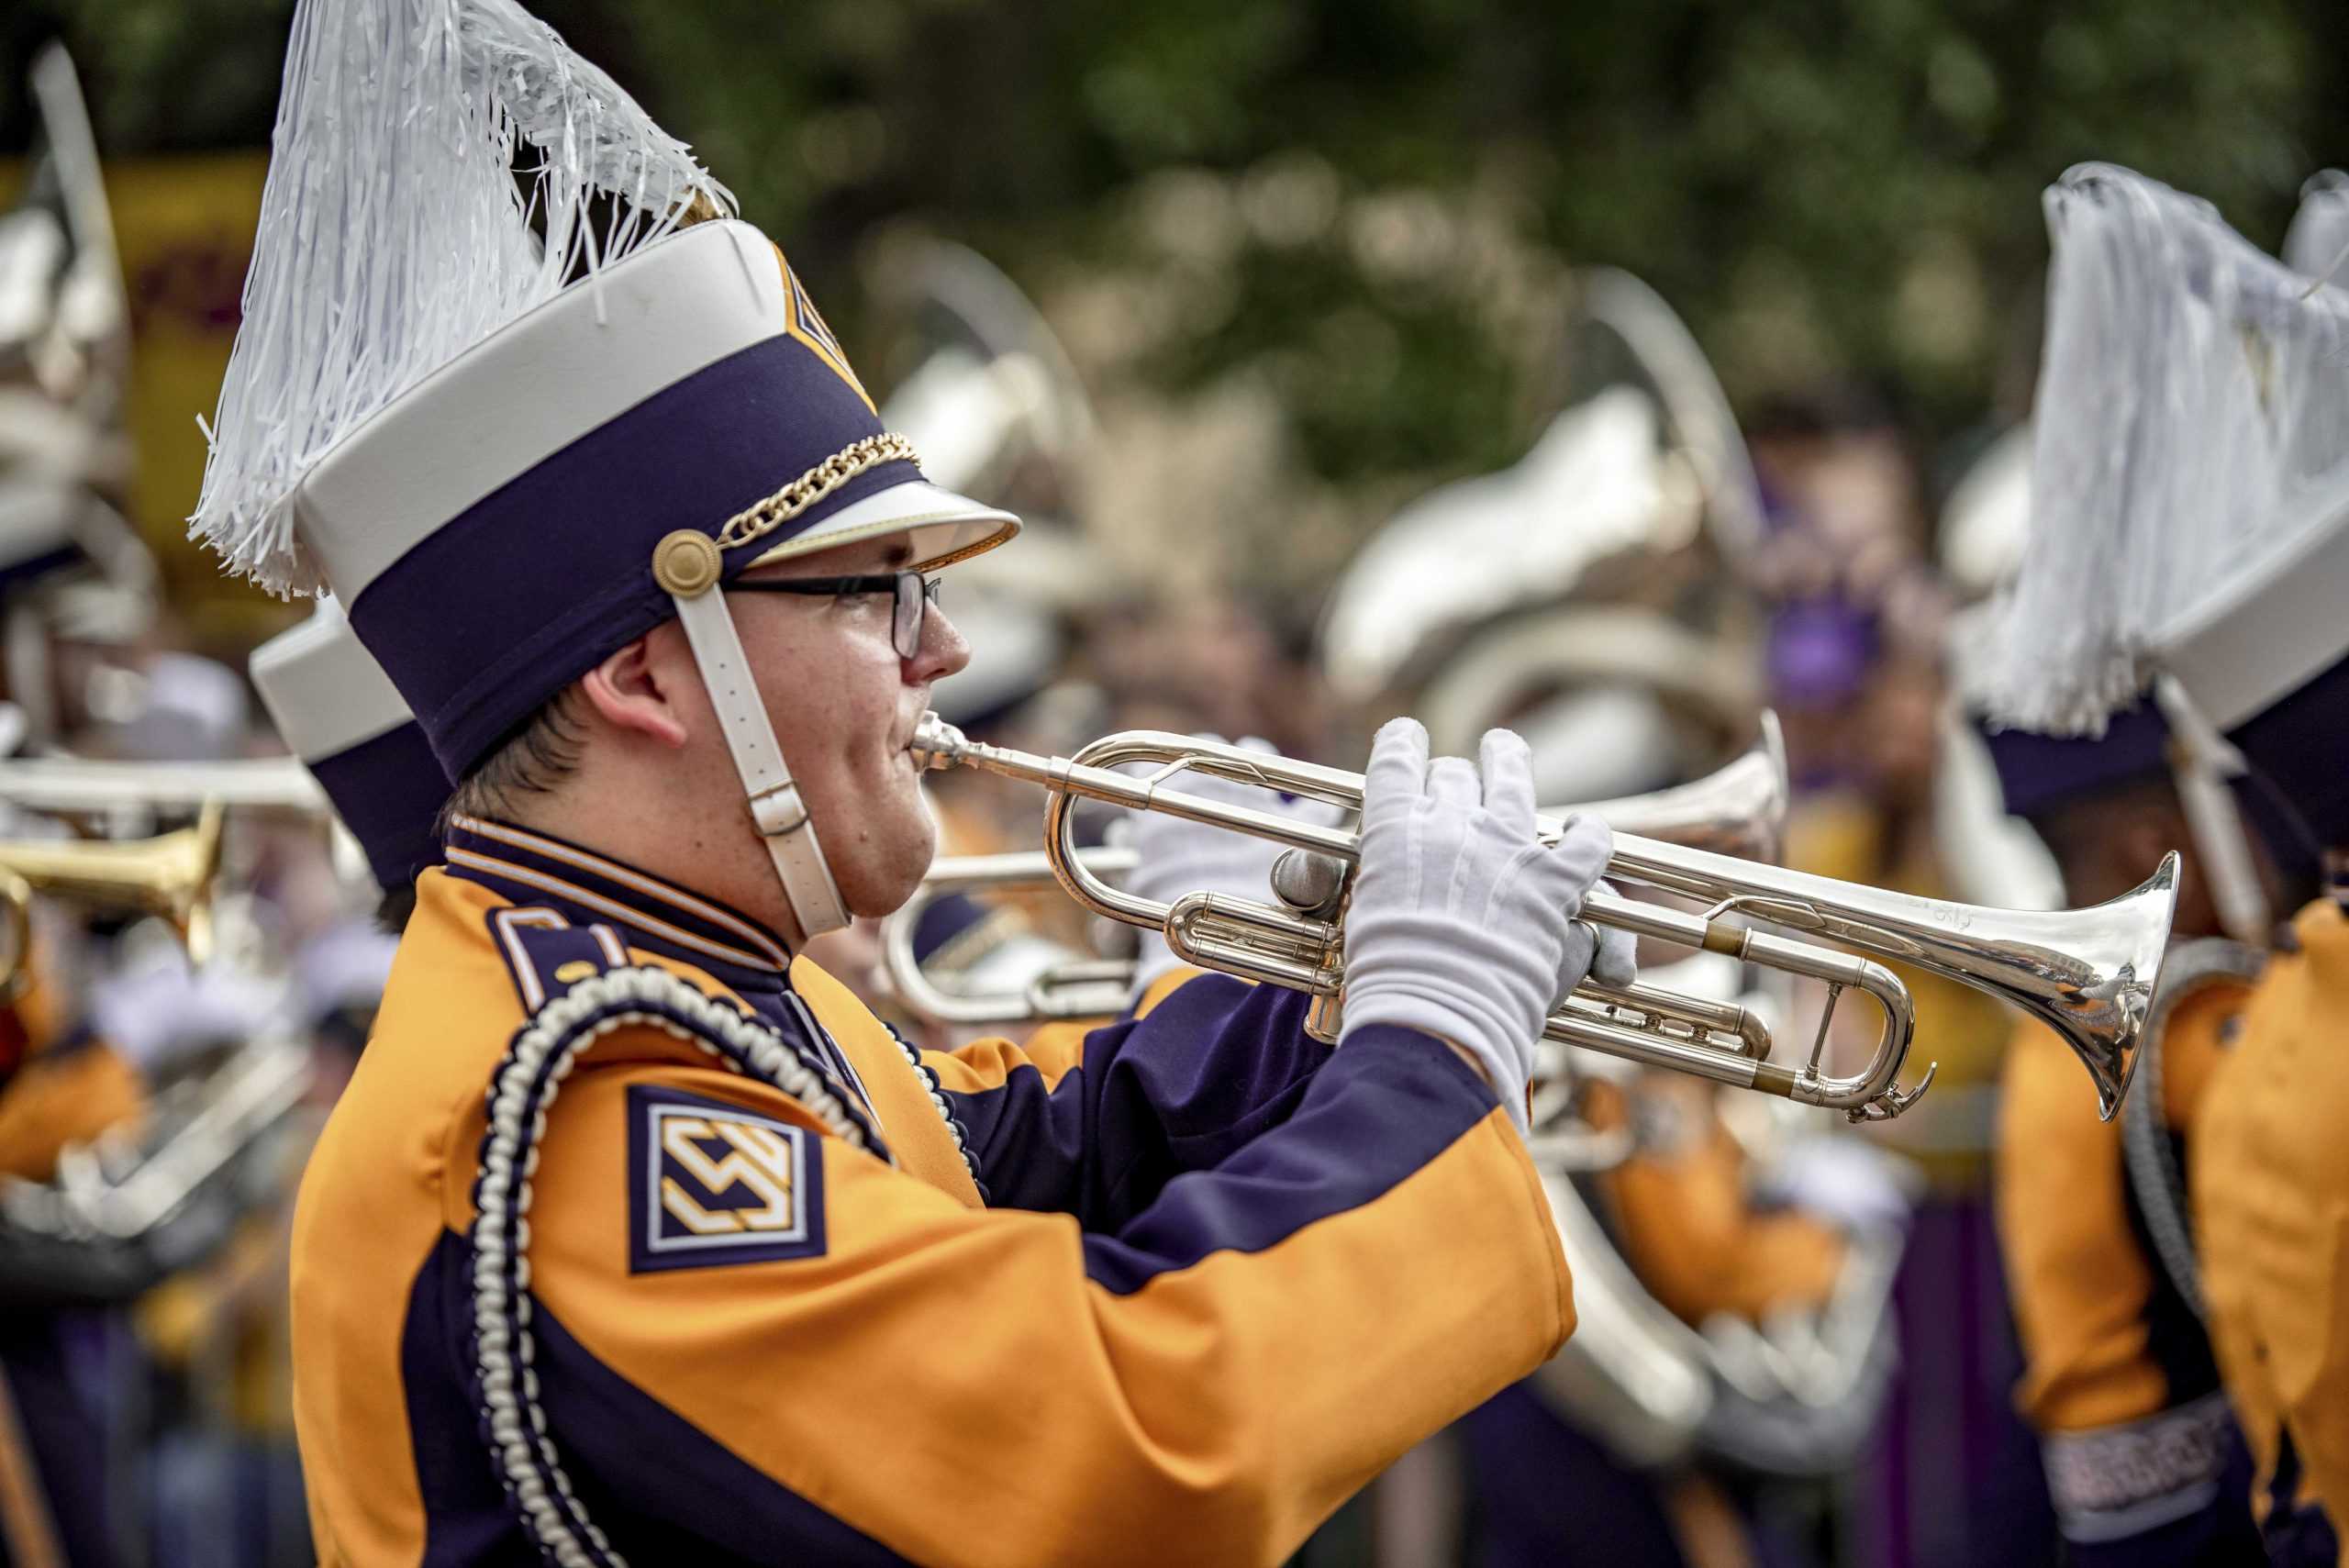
[[1739, 809], [2087, 974]]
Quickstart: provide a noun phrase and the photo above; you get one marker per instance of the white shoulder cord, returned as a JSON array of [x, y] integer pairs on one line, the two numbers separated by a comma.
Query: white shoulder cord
[[939, 1102], [524, 1088], [687, 565]]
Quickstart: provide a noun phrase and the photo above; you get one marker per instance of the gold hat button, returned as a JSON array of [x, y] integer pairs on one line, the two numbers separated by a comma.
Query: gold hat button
[[686, 562]]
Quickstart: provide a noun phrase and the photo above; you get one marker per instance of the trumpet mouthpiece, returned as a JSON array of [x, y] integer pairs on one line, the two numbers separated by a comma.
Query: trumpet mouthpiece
[[936, 744]]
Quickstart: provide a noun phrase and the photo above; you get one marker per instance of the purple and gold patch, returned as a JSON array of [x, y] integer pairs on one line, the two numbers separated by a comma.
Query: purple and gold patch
[[710, 1183]]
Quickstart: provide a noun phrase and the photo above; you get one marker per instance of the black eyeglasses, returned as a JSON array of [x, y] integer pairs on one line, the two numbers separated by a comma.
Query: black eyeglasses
[[914, 594]]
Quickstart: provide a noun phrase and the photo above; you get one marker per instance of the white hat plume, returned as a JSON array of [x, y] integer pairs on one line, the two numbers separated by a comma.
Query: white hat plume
[[439, 167], [2192, 430]]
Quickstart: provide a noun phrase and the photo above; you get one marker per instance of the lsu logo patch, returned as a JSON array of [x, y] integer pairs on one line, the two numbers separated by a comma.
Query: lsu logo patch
[[710, 1183]]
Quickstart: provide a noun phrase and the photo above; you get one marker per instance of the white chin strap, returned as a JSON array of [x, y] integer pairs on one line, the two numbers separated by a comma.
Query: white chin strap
[[775, 806], [2201, 762]]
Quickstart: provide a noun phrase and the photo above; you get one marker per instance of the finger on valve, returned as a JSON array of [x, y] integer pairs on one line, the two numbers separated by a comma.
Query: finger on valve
[[1506, 762], [1399, 763]]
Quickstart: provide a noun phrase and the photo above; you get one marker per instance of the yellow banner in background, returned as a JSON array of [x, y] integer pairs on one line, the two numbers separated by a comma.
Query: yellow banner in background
[[184, 225]]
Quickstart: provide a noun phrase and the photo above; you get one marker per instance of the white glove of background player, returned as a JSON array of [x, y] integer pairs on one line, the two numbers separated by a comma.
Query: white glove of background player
[[1179, 857], [1463, 922]]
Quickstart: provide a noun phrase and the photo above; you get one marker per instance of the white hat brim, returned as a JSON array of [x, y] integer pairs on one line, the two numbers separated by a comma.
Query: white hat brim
[[945, 527]]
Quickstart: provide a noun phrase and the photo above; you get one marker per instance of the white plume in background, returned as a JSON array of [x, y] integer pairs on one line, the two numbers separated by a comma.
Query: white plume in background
[[2317, 242], [439, 167], [2191, 427]]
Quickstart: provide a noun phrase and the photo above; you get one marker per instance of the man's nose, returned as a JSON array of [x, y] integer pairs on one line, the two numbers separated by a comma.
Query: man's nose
[[943, 649]]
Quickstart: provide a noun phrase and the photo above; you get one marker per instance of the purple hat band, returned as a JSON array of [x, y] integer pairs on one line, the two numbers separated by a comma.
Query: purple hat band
[[489, 615], [388, 791], [2039, 773], [2298, 750]]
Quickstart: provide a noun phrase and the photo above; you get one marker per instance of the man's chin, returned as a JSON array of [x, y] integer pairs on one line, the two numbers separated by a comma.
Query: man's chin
[[884, 889]]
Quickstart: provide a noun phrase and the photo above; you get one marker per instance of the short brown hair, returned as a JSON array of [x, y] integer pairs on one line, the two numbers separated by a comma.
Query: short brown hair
[[537, 755]]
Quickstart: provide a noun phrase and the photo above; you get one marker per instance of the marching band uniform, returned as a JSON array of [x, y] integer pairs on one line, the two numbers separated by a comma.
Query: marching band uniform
[[2142, 1453], [55, 1498], [1682, 1213], [2144, 1462], [763, 1284], [73, 1086], [2269, 1184], [2269, 1188], [1687, 1222], [1064, 1357]]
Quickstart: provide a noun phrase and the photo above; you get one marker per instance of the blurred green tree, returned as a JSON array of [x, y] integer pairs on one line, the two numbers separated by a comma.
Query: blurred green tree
[[1366, 203]]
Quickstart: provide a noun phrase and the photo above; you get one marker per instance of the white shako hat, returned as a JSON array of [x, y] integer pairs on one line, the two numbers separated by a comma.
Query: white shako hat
[[340, 714], [512, 428], [2190, 496]]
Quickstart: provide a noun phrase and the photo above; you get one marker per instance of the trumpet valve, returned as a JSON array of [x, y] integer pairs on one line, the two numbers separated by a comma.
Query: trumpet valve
[[1308, 882]]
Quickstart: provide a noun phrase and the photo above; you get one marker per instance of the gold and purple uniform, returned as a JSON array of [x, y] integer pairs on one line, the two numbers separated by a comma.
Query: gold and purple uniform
[[1687, 1221], [1682, 1213], [2270, 1187], [58, 1500], [1163, 1292], [2141, 1454]]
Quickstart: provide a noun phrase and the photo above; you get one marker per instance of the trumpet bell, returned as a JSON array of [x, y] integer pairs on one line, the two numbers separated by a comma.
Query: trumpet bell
[[2097, 988], [170, 875]]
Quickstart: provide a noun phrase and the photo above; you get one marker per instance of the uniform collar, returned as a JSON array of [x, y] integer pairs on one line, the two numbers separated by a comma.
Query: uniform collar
[[588, 888]]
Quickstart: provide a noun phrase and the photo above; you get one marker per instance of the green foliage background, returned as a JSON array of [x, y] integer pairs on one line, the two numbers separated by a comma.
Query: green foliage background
[[1364, 202]]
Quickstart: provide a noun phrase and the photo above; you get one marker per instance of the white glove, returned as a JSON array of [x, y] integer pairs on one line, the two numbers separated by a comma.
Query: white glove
[[1463, 923], [1179, 857]]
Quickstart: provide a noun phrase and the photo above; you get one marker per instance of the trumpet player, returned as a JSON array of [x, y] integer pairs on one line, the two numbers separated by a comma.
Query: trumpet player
[[2144, 1461], [658, 589]]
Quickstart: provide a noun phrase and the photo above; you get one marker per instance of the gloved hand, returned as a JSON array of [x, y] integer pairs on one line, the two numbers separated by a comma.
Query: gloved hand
[[1179, 857], [1464, 924]]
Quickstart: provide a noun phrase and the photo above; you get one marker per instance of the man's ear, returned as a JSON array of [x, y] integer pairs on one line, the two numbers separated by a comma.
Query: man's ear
[[633, 689]]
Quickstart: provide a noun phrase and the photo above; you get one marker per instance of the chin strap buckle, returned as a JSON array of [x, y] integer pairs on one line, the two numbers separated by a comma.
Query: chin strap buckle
[[779, 810]]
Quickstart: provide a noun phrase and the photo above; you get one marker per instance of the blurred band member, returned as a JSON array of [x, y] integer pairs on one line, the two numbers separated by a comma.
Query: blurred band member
[[2144, 1462], [1685, 1215], [2198, 539], [340, 713], [2270, 1179]]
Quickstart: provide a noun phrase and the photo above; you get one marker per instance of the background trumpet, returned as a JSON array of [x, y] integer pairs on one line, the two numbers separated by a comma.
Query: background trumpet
[[1075, 988], [2088, 974]]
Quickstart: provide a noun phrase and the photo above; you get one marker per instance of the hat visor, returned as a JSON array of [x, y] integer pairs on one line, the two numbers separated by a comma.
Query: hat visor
[[944, 526]]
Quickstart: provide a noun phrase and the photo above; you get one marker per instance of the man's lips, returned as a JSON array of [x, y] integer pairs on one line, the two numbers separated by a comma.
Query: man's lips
[[903, 738]]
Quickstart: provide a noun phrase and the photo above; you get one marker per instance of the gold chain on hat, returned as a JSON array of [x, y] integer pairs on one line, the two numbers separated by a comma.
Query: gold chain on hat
[[814, 485]]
